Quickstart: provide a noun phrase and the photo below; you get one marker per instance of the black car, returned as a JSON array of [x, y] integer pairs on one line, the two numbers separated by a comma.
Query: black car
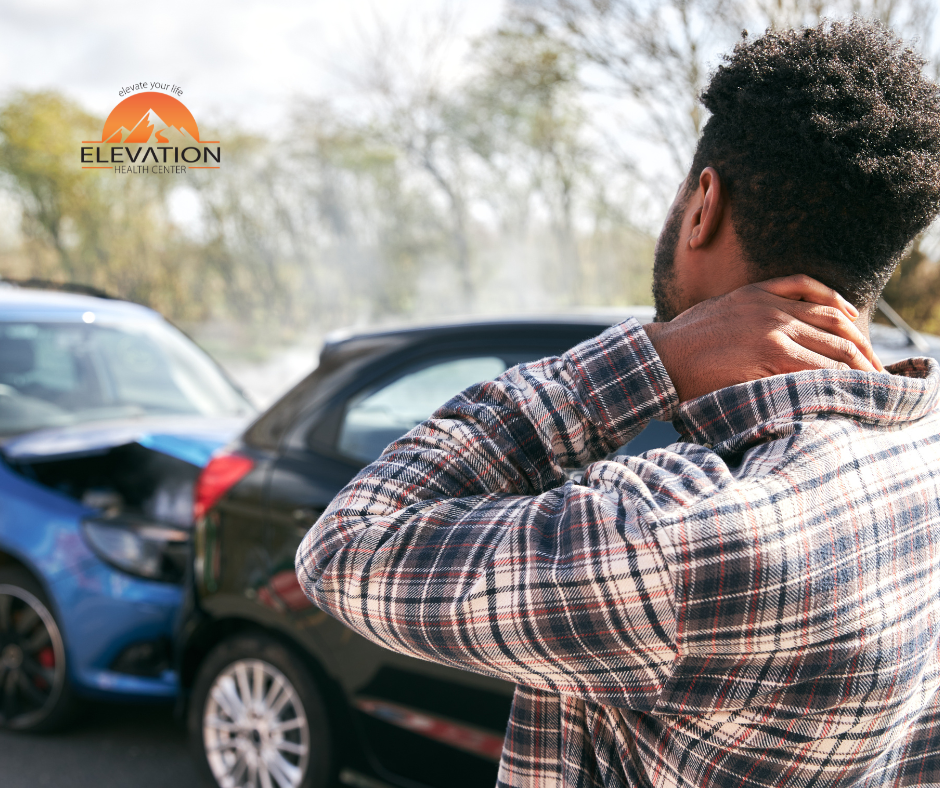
[[280, 693]]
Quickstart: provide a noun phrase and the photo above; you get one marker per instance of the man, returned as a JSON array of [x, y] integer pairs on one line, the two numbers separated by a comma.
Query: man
[[758, 605]]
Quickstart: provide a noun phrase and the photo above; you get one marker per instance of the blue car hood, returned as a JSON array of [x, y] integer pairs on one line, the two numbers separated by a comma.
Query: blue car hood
[[191, 439]]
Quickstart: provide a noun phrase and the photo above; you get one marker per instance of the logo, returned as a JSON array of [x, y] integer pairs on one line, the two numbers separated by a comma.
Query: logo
[[151, 133]]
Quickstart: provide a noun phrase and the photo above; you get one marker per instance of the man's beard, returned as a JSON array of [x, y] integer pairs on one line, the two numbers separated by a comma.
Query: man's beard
[[665, 290]]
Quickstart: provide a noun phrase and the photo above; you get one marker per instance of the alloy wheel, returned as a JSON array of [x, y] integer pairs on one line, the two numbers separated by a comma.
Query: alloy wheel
[[32, 658], [255, 730]]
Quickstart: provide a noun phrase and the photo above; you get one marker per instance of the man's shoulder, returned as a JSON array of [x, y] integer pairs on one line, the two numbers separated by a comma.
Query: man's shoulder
[[822, 459], [807, 540]]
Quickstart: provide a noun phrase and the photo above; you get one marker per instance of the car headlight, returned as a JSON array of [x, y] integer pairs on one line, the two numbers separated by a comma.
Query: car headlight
[[145, 549]]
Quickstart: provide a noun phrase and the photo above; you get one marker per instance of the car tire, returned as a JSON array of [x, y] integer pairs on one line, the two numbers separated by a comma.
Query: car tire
[[282, 728], [35, 693]]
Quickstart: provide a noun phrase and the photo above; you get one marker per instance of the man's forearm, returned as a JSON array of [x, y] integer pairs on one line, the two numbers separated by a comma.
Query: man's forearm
[[513, 435]]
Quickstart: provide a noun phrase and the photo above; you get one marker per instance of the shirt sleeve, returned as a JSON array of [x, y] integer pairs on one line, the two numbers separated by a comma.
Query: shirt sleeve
[[463, 544]]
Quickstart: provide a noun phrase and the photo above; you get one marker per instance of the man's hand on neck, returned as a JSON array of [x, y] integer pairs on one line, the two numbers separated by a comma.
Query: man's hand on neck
[[782, 325]]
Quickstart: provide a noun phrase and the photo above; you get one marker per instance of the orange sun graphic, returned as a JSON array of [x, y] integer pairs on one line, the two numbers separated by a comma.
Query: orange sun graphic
[[150, 116]]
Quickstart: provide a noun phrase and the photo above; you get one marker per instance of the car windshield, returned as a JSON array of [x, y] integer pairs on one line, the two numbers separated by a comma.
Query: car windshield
[[56, 374]]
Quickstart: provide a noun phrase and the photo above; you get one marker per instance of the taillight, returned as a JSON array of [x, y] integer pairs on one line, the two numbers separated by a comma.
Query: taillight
[[222, 473]]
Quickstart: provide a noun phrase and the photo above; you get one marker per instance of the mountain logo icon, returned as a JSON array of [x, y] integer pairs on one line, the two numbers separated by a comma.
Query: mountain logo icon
[[150, 118], [151, 133]]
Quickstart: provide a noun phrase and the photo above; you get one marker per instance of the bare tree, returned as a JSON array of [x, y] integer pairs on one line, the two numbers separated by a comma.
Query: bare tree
[[653, 54], [657, 54], [403, 74]]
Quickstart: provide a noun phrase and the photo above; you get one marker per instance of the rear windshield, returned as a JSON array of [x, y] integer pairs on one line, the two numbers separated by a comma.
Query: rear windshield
[[56, 374]]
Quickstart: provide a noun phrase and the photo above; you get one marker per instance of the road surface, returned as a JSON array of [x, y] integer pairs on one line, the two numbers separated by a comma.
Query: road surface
[[109, 746]]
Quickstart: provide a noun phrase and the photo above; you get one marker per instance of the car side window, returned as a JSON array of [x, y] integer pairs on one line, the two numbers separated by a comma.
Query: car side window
[[378, 416]]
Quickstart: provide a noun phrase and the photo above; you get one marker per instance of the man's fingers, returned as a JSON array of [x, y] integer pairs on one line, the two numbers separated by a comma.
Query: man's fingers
[[837, 350], [797, 358], [800, 287], [835, 322]]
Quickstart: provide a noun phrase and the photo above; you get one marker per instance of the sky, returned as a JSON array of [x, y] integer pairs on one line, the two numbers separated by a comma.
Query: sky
[[242, 61]]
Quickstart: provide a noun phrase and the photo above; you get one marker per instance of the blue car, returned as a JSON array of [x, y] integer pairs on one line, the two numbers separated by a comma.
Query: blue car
[[107, 415]]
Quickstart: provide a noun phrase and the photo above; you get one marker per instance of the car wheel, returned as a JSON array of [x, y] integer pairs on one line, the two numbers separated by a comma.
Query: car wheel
[[34, 689], [257, 718]]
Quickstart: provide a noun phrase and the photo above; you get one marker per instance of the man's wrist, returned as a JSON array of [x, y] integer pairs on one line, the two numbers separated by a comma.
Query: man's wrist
[[627, 384], [662, 340]]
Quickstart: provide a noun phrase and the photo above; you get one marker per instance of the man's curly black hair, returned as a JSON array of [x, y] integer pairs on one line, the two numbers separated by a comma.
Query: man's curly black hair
[[827, 140]]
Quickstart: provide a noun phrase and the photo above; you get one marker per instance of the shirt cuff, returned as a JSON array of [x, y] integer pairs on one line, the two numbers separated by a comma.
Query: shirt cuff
[[623, 381]]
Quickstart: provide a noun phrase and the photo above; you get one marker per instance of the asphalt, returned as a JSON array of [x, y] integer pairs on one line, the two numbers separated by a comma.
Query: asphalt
[[108, 746]]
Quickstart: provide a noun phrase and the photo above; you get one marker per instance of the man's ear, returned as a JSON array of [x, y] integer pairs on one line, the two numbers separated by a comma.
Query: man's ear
[[707, 217]]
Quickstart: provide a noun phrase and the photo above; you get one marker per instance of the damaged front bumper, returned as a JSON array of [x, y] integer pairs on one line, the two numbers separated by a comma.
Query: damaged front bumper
[[118, 631]]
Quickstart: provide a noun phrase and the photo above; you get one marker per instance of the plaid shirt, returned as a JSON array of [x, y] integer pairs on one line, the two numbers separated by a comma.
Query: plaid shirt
[[758, 605]]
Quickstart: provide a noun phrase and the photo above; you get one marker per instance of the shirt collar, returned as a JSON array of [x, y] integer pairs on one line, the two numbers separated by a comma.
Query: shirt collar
[[732, 418]]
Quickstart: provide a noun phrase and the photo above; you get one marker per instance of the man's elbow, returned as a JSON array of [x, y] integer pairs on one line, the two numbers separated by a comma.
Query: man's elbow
[[312, 558]]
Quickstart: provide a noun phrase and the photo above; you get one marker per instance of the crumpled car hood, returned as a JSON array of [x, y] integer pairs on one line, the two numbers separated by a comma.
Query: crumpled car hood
[[190, 439]]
